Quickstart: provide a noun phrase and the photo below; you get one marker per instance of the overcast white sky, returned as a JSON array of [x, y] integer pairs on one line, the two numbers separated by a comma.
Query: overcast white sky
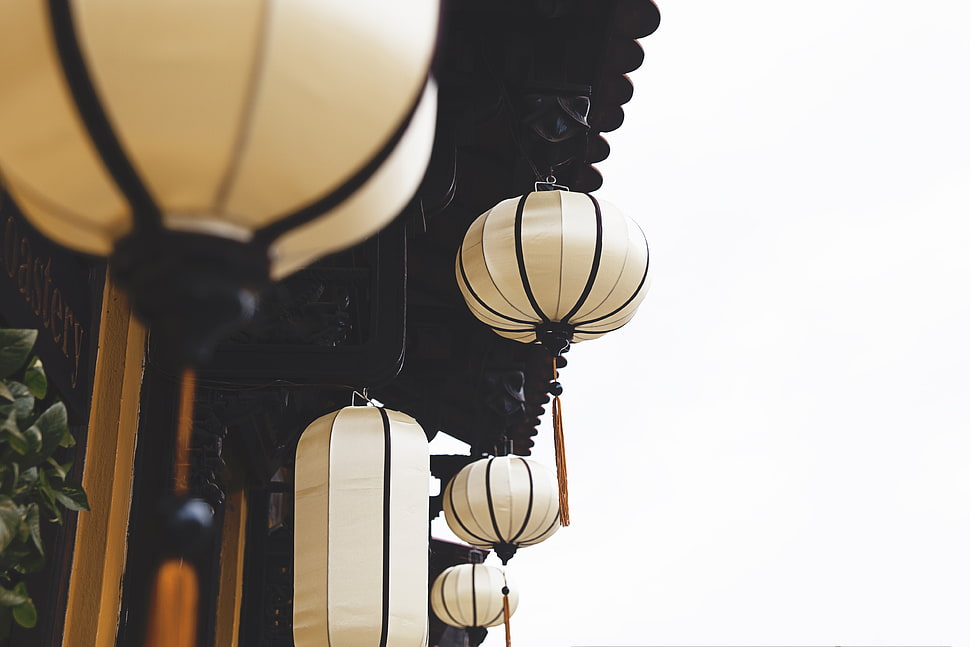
[[776, 451]]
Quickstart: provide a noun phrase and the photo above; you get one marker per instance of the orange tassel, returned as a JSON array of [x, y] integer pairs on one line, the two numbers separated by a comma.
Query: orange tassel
[[175, 601], [508, 614], [560, 453], [560, 462]]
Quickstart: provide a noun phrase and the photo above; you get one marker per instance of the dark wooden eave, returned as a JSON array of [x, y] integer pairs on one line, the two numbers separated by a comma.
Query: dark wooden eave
[[516, 79]]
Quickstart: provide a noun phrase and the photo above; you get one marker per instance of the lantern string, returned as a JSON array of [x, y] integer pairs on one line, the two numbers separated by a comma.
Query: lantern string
[[560, 453], [175, 599], [183, 438], [506, 611]]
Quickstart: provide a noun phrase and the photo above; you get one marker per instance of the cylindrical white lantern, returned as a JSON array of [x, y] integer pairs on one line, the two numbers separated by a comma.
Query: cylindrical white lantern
[[470, 595], [502, 503], [553, 267], [360, 554], [301, 127]]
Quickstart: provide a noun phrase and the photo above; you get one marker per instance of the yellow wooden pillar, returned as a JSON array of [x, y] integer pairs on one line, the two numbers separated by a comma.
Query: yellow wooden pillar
[[94, 595]]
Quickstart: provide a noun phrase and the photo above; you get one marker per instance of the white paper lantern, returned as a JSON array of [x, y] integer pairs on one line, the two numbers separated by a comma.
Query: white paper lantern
[[360, 561], [502, 503], [553, 267], [299, 127], [470, 595]]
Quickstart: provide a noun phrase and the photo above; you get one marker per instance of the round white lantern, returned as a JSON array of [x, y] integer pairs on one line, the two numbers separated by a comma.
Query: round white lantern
[[360, 551], [502, 503], [553, 267], [211, 146], [470, 595], [245, 120]]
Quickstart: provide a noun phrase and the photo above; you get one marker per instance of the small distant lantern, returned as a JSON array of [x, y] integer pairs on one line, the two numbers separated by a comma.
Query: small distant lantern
[[474, 597], [502, 503], [208, 149], [360, 551], [553, 267]]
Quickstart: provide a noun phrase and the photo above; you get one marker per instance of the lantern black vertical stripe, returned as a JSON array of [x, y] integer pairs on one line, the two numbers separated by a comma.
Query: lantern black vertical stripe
[[321, 206], [478, 299], [528, 510], [520, 258], [444, 598], [96, 121], [326, 604], [386, 595], [643, 280], [474, 598], [451, 500], [491, 504], [542, 535], [595, 264]]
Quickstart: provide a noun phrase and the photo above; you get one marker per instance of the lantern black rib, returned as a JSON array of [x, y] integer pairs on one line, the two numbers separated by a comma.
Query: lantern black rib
[[53, 208], [247, 110], [321, 206], [491, 505], [474, 599], [145, 210], [529, 329], [599, 332], [528, 510], [386, 566], [520, 259], [537, 538], [595, 265], [643, 279], [451, 500], [478, 299], [444, 602], [494, 619]]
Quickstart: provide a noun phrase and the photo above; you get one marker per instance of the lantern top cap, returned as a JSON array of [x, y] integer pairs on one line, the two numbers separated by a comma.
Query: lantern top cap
[[550, 184]]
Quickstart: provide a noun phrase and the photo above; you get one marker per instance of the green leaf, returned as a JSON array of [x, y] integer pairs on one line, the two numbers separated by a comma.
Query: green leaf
[[72, 498], [68, 441], [25, 614], [57, 468], [11, 598], [32, 521], [23, 402], [15, 346], [48, 498], [53, 428], [23, 558], [35, 379], [11, 432], [9, 473], [28, 478], [34, 439], [9, 521]]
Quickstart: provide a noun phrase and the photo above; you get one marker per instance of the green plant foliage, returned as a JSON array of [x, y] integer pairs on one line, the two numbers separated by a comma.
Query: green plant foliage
[[33, 484]]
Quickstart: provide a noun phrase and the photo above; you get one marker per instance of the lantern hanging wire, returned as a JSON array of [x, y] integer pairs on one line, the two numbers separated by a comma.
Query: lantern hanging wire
[[173, 614]]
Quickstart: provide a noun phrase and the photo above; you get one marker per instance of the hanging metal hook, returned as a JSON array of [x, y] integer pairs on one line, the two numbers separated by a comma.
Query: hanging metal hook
[[362, 394], [549, 184]]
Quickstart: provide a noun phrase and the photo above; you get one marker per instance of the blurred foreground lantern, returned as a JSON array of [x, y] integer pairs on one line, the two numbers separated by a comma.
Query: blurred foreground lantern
[[502, 503], [473, 596], [210, 146], [360, 552], [553, 267]]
